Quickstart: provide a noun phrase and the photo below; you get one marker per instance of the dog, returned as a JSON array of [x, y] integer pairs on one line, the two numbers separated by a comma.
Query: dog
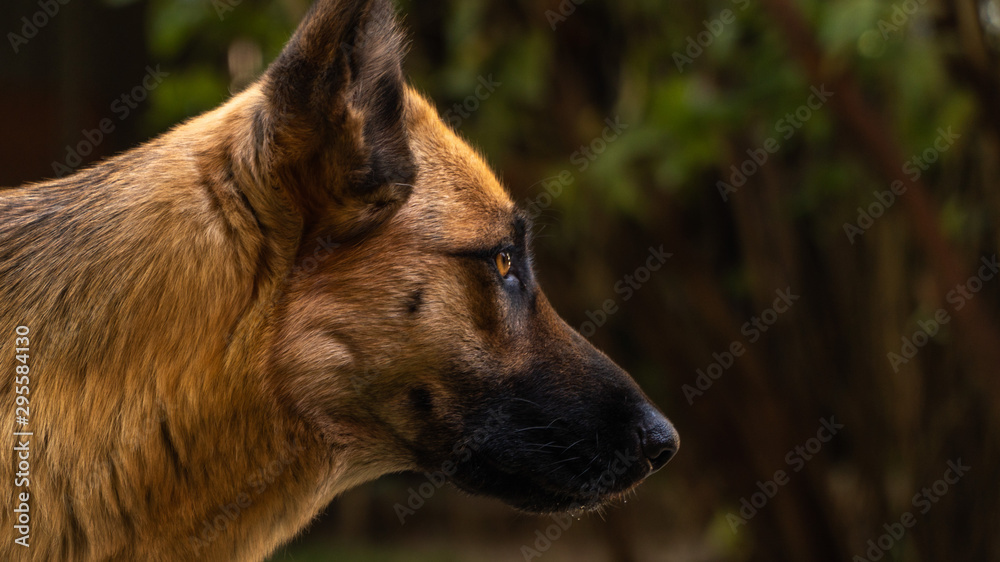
[[208, 338]]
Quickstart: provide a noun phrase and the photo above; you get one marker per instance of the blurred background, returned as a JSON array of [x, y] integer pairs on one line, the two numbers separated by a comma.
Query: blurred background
[[823, 174]]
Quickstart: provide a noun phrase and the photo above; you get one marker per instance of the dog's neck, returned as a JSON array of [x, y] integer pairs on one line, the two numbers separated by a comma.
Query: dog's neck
[[187, 425]]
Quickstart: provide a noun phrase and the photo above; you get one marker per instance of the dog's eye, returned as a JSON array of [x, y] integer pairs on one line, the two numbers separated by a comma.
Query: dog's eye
[[503, 263]]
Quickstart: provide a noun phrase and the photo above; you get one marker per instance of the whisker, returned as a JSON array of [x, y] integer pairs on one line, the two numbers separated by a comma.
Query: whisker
[[560, 462], [584, 471], [518, 399], [538, 427]]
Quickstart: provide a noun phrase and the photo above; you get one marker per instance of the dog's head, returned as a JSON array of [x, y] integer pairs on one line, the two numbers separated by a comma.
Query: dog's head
[[412, 332]]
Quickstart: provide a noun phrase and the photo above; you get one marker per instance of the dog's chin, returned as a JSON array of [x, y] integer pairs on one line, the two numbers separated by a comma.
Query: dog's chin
[[537, 500], [524, 493]]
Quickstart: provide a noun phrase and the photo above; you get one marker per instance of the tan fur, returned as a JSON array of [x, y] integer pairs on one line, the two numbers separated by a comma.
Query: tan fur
[[195, 342]]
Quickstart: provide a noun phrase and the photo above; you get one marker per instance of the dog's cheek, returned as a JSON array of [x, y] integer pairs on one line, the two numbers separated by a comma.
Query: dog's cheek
[[423, 418]]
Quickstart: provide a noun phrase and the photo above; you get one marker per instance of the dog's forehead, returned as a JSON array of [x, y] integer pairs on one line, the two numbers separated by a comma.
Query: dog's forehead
[[454, 187]]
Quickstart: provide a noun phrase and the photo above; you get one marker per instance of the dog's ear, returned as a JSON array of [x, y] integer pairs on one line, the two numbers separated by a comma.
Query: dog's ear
[[336, 117]]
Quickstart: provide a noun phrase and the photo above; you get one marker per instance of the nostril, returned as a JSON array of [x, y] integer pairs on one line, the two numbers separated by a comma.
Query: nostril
[[660, 454], [658, 439]]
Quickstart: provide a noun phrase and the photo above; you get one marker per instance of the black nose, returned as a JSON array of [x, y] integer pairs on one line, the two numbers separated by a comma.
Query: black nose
[[658, 440]]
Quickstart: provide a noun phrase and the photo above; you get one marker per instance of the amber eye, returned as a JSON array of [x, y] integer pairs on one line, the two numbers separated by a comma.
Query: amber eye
[[503, 263]]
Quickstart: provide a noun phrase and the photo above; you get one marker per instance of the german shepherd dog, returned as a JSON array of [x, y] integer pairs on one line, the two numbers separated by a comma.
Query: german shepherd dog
[[209, 337]]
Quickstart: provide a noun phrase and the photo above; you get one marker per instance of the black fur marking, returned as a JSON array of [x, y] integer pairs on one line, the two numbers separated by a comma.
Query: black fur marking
[[168, 444], [251, 210], [415, 302], [421, 400], [230, 179], [264, 255], [259, 130], [76, 540]]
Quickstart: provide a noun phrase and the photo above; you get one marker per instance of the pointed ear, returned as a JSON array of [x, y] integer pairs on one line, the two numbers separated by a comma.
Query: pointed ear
[[336, 114]]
